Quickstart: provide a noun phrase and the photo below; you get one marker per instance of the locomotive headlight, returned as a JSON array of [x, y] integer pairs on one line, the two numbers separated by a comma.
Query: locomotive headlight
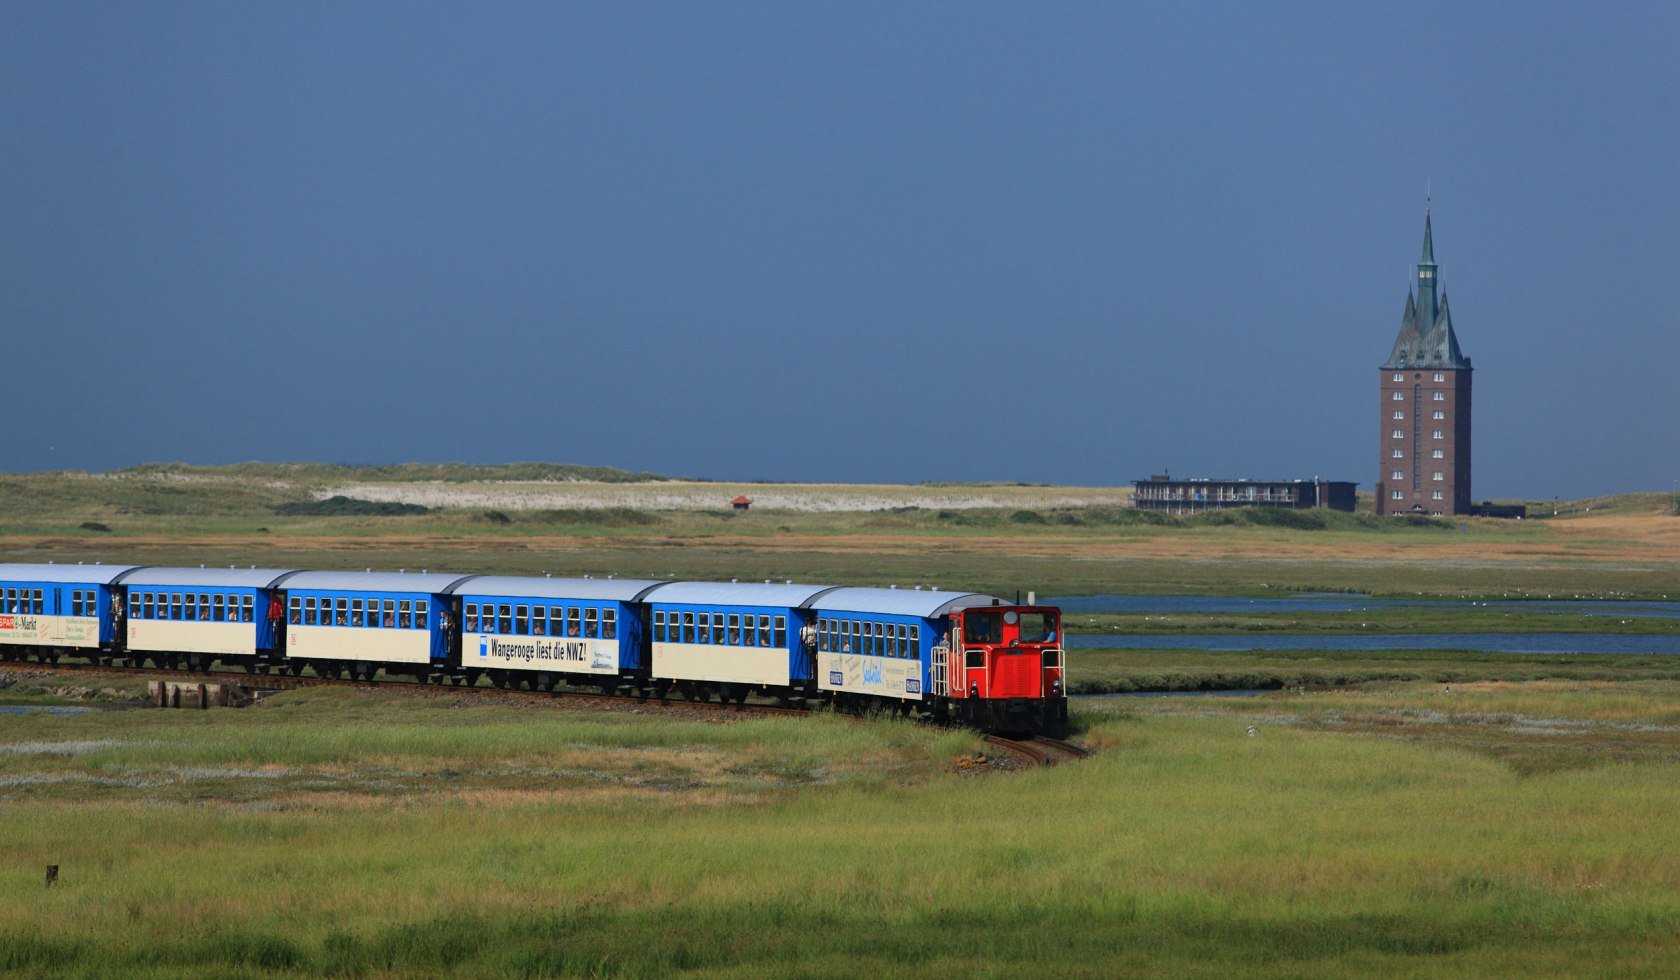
[[1056, 687]]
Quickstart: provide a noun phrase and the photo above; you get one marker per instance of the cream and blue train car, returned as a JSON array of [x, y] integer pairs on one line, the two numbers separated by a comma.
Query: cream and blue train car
[[49, 610], [358, 623], [878, 644], [202, 615], [535, 632], [732, 638]]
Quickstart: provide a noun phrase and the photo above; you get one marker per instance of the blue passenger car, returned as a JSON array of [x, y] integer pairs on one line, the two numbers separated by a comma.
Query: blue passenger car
[[731, 637], [52, 609], [203, 615], [878, 643], [362, 622], [537, 631]]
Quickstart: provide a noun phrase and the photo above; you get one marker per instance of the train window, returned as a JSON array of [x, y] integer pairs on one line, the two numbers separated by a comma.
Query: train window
[[764, 631], [833, 636], [718, 619], [247, 608], [421, 619], [659, 627], [356, 608], [734, 629], [343, 612], [294, 610], [504, 619], [976, 659], [903, 641], [522, 620], [190, 606], [609, 624], [309, 611], [687, 635], [704, 633], [749, 637], [390, 611], [137, 605], [539, 620], [219, 604], [592, 622], [469, 617], [1037, 628], [883, 640], [982, 627], [76, 602], [40, 606], [405, 614], [1051, 658], [781, 632], [574, 621], [858, 645]]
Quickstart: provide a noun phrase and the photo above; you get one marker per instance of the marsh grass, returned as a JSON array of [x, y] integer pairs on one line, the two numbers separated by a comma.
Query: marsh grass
[[1185, 847]]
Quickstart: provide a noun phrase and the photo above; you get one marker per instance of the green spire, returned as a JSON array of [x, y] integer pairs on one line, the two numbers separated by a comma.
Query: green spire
[[1428, 242]]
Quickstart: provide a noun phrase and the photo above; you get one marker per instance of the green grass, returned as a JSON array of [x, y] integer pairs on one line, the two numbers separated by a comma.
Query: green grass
[[1377, 831], [1125, 671]]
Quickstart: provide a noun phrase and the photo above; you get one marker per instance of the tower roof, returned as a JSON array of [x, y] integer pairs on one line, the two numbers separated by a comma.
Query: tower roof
[[1426, 338]]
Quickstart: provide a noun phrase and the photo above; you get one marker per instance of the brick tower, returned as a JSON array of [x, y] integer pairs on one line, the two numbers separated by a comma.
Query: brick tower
[[1425, 406]]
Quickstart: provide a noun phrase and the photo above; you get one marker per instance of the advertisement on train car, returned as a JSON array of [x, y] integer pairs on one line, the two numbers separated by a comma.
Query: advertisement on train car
[[571, 655], [855, 673], [33, 628]]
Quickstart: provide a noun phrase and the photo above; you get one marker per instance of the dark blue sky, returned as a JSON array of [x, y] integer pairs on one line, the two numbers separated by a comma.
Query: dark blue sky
[[1067, 243]]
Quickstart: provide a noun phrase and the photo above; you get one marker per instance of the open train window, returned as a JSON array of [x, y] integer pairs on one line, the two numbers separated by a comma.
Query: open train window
[[356, 617], [421, 619], [343, 612], [218, 605], [522, 620], [539, 621], [903, 641], [574, 621], [982, 627], [405, 614], [40, 606], [609, 624], [734, 629], [704, 634], [309, 611], [764, 631], [915, 641], [504, 619], [294, 610], [469, 617], [592, 622], [247, 608], [688, 627], [781, 632], [191, 606], [390, 610]]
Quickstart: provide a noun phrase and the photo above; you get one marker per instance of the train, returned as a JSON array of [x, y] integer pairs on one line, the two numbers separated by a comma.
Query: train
[[961, 657]]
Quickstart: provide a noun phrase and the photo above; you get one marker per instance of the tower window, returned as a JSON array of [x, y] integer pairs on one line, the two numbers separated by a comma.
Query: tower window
[[1439, 376], [1438, 453], [1399, 434], [1440, 415], [1399, 454], [1398, 414], [1437, 495], [1438, 475], [1398, 377], [1397, 475], [1399, 396], [1439, 396], [1397, 495], [1437, 434]]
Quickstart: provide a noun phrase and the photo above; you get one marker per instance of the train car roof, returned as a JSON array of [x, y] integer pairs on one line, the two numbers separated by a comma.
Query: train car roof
[[530, 587], [84, 574], [737, 593], [926, 603], [232, 578], [432, 582]]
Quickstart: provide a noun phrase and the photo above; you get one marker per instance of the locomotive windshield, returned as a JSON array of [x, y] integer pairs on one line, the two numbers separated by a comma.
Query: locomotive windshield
[[983, 627], [1038, 627]]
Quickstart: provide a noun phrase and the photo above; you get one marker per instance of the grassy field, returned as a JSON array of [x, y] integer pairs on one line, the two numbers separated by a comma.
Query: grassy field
[[1501, 828], [1052, 540]]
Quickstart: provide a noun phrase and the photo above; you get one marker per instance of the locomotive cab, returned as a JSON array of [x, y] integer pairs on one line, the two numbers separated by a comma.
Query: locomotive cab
[[1006, 669]]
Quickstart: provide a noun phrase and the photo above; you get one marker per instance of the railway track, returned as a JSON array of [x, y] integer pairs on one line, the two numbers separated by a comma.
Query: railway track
[[1039, 750], [287, 682]]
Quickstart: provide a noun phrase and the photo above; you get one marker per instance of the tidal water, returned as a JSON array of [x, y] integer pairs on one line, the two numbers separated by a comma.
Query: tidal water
[[1338, 602], [1482, 642], [46, 709]]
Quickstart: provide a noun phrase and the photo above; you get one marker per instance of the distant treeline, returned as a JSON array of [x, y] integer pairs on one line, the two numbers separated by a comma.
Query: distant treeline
[[398, 472], [342, 506]]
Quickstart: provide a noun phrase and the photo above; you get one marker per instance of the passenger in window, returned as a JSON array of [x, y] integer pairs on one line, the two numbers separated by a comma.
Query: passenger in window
[[447, 625], [808, 637], [116, 614], [571, 626]]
